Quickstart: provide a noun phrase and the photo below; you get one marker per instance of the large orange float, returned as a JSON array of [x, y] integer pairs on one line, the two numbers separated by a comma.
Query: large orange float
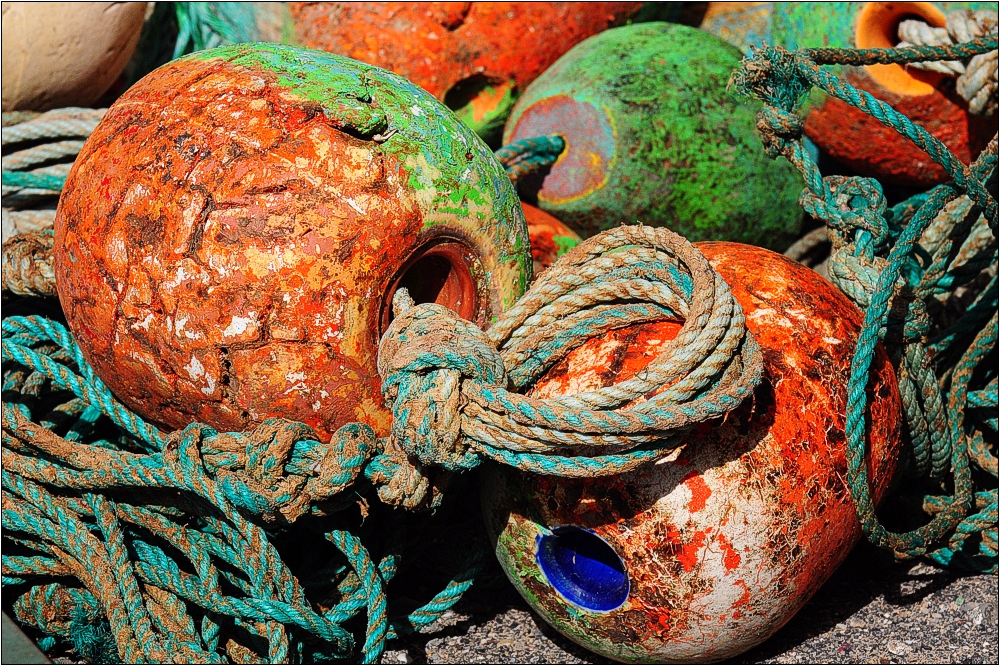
[[229, 240], [707, 552]]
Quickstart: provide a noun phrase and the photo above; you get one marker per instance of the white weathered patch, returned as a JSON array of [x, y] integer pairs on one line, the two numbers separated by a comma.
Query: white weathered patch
[[316, 405], [144, 324], [239, 325], [832, 341], [416, 110], [295, 376], [195, 369], [210, 389]]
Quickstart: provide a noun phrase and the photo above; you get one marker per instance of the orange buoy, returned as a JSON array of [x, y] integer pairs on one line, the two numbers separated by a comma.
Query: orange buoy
[[476, 57], [549, 237], [708, 551], [229, 240], [858, 140]]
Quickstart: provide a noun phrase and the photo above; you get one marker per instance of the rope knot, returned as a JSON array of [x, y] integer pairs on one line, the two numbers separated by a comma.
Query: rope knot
[[425, 358], [778, 129]]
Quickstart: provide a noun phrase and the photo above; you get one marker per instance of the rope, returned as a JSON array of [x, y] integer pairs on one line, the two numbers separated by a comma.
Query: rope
[[528, 156], [27, 264], [977, 81], [140, 544], [898, 263]]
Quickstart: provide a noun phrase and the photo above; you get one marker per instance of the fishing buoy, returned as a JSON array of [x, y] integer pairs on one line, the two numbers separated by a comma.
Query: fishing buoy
[[707, 552], [653, 136], [65, 53], [742, 24], [476, 57], [929, 99], [230, 238], [549, 237]]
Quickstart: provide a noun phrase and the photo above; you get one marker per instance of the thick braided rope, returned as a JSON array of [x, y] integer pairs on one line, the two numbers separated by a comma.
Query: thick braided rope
[[457, 392], [48, 143], [27, 264], [528, 156], [957, 239]]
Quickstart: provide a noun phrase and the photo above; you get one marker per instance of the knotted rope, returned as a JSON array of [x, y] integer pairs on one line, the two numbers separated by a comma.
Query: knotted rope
[[169, 536], [897, 264], [977, 81]]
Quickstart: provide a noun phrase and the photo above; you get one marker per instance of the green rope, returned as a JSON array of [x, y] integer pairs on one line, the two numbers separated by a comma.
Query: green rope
[[896, 264]]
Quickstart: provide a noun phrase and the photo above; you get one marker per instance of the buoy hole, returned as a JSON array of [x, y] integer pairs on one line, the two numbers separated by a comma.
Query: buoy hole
[[583, 568], [438, 274], [878, 28]]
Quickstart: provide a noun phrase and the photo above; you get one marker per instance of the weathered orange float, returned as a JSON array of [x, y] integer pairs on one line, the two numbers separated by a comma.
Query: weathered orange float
[[707, 552], [549, 237], [229, 240], [477, 57]]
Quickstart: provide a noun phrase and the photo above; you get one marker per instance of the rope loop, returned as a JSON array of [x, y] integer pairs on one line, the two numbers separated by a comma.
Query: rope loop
[[457, 392]]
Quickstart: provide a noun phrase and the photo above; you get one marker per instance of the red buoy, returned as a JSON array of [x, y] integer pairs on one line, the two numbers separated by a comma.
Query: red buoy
[[710, 550]]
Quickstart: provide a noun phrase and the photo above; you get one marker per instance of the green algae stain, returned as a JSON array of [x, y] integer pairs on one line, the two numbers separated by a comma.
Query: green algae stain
[[454, 176], [564, 244]]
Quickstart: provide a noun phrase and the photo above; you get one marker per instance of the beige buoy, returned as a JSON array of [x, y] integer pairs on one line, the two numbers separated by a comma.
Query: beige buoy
[[59, 54]]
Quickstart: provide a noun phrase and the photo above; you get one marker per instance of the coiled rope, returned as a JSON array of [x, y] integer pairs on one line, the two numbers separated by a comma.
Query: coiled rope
[[977, 81], [38, 151], [896, 264], [167, 538]]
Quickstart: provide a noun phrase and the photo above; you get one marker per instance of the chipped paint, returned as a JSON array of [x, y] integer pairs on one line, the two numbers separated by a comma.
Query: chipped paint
[[476, 57]]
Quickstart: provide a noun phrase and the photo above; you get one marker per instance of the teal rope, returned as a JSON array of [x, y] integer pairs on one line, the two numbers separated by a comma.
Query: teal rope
[[528, 156], [873, 249]]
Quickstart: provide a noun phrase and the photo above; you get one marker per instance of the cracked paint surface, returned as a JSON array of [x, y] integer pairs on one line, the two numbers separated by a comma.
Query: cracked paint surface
[[727, 538], [227, 238]]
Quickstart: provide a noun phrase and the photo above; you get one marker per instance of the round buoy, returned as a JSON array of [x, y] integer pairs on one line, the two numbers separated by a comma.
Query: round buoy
[[550, 238], [742, 24], [65, 53], [230, 238], [477, 57], [707, 552], [858, 140], [653, 136]]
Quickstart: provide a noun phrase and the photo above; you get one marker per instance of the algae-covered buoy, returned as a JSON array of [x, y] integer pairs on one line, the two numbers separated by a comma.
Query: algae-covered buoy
[[477, 57], [705, 553], [929, 99], [65, 53], [653, 136], [230, 238]]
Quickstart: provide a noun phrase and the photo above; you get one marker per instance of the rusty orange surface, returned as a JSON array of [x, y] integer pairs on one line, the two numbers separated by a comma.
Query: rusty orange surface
[[440, 44], [866, 146], [227, 245], [726, 539]]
